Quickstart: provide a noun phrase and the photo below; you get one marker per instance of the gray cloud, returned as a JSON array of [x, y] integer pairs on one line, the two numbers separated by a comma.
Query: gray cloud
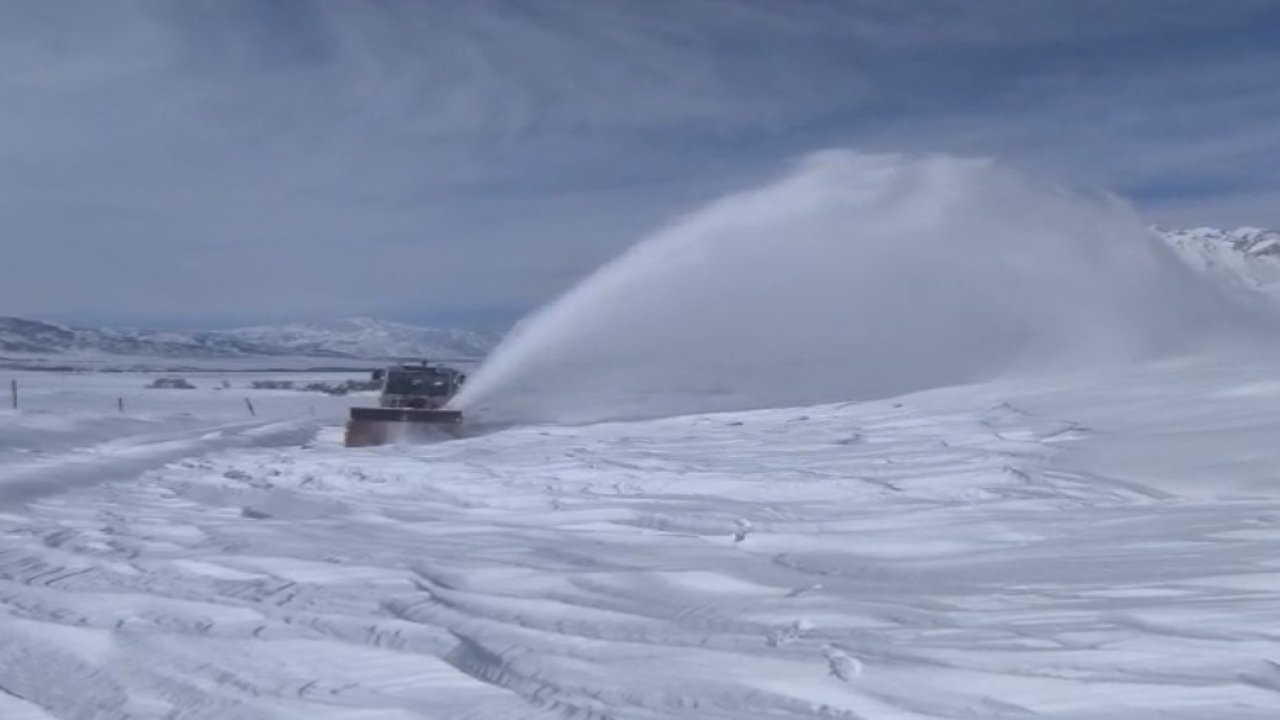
[[201, 160]]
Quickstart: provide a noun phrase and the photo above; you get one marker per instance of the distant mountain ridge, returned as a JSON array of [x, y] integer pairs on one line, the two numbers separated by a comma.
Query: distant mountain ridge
[[365, 337], [347, 338], [1247, 258]]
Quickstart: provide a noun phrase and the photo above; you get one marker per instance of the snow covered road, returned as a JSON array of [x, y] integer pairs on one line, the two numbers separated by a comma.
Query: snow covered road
[[985, 552]]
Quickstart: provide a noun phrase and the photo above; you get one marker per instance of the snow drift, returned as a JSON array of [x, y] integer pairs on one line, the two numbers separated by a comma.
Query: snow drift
[[854, 277]]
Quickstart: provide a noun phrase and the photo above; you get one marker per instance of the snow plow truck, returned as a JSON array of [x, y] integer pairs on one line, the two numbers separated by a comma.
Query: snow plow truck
[[411, 406]]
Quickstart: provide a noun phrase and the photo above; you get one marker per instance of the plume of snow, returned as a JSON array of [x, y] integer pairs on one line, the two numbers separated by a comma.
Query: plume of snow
[[856, 276]]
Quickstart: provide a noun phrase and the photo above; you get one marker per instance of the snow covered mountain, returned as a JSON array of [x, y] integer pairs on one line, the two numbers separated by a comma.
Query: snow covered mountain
[[350, 338], [364, 337], [35, 337], [1245, 258]]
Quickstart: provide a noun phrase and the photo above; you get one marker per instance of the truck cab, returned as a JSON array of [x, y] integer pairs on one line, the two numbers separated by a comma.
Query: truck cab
[[422, 386]]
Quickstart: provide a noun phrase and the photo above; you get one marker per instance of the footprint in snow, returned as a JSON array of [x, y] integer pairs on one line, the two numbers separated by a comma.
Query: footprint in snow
[[841, 664], [797, 592], [791, 633]]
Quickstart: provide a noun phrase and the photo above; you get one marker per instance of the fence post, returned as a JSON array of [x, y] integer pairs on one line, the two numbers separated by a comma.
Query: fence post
[[249, 405], [13, 390]]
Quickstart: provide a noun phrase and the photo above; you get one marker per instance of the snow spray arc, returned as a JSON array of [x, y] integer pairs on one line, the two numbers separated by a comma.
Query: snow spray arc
[[855, 276]]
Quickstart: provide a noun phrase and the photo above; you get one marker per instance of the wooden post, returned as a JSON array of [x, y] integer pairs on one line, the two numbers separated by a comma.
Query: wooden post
[[13, 390], [249, 405], [120, 404]]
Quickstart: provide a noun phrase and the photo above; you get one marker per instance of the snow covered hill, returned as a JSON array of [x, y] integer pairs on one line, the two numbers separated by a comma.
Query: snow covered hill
[[1099, 548], [35, 337], [1245, 258], [349, 338], [364, 337]]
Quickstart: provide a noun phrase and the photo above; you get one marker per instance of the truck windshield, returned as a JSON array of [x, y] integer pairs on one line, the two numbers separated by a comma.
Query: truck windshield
[[413, 383]]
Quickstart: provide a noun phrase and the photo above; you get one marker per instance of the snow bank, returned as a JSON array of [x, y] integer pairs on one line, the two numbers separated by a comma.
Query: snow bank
[[854, 277]]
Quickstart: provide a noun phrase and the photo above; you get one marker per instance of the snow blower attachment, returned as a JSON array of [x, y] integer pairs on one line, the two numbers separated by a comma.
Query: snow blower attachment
[[411, 406]]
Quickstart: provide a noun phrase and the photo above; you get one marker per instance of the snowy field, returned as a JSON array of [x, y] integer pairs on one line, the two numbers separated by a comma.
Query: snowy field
[[1103, 547], [84, 427]]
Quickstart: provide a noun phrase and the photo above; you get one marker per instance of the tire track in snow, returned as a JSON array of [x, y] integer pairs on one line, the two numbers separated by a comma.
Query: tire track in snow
[[511, 576], [125, 459]]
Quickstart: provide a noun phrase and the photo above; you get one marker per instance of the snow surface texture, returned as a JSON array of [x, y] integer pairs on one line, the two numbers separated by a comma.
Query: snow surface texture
[[71, 428], [855, 277], [1004, 551]]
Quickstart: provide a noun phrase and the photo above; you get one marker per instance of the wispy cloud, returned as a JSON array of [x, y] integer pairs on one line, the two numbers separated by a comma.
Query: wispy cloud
[[238, 159]]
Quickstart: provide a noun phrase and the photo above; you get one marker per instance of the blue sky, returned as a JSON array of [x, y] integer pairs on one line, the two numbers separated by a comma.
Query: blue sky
[[197, 162]]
